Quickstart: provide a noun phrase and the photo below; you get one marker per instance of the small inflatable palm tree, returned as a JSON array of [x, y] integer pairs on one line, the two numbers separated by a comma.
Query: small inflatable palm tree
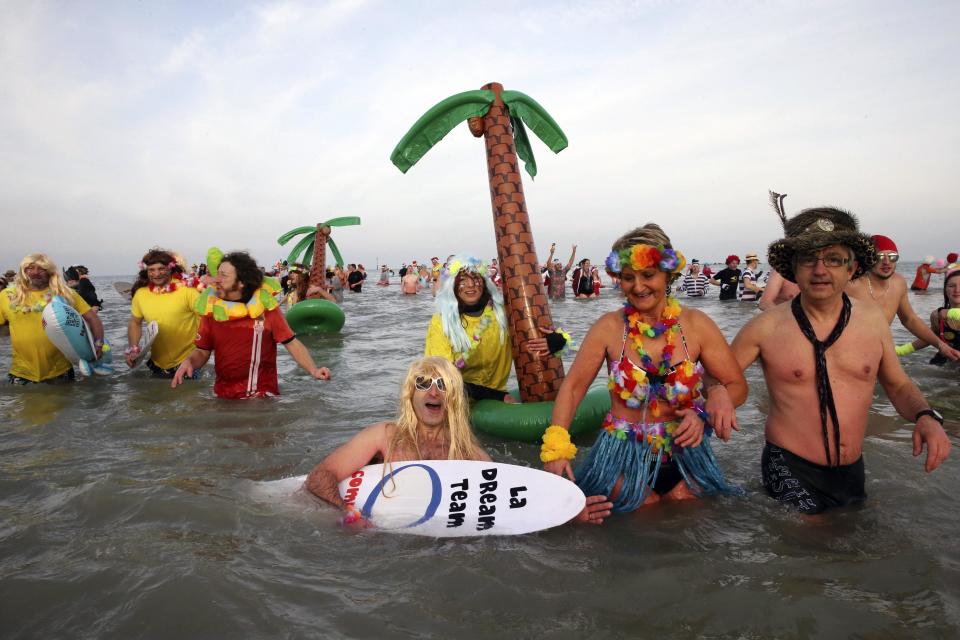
[[312, 247], [500, 116]]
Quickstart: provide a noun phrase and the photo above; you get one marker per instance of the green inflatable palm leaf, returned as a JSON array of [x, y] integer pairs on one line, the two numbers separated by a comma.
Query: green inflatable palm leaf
[[305, 246], [335, 252], [526, 110], [536, 117], [343, 221], [289, 235], [436, 123]]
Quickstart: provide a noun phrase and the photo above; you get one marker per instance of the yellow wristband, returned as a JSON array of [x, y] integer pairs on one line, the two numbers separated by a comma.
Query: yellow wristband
[[905, 349], [557, 445]]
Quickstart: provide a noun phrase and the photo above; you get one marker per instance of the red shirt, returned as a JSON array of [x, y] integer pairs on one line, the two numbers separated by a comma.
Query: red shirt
[[922, 280], [245, 358]]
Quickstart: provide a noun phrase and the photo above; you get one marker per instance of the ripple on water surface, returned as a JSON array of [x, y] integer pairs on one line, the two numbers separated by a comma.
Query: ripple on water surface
[[125, 511]]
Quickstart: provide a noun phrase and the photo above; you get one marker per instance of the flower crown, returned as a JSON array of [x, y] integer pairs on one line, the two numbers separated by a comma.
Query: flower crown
[[644, 256]]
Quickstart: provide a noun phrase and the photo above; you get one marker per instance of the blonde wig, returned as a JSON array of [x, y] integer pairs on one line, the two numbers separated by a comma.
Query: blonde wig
[[58, 285], [463, 444]]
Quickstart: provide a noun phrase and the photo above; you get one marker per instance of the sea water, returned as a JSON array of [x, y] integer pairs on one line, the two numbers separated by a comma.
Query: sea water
[[125, 513]]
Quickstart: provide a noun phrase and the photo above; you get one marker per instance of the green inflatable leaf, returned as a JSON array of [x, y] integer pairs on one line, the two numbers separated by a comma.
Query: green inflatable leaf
[[335, 252], [522, 143], [343, 221], [436, 123], [289, 235], [300, 247], [536, 117], [219, 313]]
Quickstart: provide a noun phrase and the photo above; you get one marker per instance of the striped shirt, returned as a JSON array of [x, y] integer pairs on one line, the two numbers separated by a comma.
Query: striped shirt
[[694, 285], [748, 295]]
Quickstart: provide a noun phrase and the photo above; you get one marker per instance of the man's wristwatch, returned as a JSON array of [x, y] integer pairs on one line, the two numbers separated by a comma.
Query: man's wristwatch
[[933, 413]]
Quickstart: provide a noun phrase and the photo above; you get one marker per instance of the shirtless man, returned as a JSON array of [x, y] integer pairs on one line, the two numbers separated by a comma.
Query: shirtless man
[[886, 288], [822, 355], [432, 424], [410, 282], [777, 291]]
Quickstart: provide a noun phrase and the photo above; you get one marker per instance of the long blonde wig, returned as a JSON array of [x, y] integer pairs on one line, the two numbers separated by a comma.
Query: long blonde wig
[[463, 444], [21, 284]]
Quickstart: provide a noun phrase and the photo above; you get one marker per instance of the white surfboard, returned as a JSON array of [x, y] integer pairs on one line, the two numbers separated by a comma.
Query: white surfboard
[[146, 341], [451, 498]]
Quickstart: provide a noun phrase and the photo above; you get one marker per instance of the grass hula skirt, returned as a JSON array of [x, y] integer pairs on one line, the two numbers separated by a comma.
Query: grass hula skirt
[[638, 460]]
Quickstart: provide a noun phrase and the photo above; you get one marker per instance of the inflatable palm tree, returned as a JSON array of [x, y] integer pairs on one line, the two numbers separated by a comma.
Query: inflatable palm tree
[[312, 247], [500, 116]]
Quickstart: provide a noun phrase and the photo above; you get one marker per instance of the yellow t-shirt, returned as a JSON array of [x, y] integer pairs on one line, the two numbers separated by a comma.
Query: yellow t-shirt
[[176, 322], [34, 356], [490, 362]]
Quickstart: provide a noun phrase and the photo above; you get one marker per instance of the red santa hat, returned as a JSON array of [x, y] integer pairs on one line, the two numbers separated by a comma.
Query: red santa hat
[[883, 243]]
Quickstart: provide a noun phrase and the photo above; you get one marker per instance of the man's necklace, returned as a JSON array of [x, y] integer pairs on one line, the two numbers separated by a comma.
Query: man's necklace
[[870, 287]]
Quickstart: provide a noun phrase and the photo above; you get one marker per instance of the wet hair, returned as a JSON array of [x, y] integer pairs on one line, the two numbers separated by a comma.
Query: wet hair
[[248, 272], [20, 282], [463, 444], [650, 234], [156, 255]]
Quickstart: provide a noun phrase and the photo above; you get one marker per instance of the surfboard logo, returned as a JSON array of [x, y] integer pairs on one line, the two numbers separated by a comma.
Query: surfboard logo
[[432, 504]]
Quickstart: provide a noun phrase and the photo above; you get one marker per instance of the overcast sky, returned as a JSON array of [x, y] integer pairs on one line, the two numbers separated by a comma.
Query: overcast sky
[[125, 124]]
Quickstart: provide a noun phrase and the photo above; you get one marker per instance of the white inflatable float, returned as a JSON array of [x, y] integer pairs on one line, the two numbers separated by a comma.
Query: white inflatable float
[[71, 335]]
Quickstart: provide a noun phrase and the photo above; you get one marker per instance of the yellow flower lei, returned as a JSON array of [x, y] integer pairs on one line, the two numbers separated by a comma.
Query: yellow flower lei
[[557, 445]]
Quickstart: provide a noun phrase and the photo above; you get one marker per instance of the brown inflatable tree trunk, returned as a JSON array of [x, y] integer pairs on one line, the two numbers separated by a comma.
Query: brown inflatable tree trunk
[[318, 269], [524, 297]]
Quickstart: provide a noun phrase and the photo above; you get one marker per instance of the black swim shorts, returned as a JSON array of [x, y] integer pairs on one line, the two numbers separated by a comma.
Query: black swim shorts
[[809, 487]]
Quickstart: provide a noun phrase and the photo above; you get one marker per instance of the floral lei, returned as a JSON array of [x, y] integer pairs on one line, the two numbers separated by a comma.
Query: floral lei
[[644, 256], [36, 306], [175, 283], [485, 320], [679, 386]]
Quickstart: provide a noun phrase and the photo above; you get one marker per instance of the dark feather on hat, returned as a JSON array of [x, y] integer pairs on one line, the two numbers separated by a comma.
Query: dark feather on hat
[[776, 201]]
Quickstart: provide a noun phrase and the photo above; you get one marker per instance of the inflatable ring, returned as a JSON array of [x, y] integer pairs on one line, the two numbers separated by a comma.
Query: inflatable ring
[[315, 316], [527, 421]]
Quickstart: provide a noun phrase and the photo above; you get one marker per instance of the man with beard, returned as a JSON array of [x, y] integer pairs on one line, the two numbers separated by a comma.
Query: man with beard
[[822, 355], [242, 322], [886, 288], [161, 294], [35, 358]]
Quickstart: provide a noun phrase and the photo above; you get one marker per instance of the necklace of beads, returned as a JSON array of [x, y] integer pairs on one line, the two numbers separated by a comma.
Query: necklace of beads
[[668, 324], [485, 321]]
